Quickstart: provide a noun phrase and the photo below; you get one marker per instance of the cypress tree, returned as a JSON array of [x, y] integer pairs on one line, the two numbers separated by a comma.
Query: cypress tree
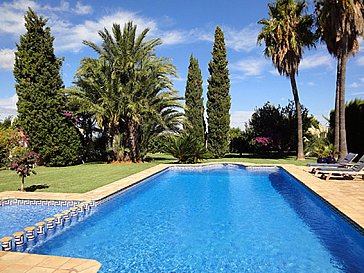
[[194, 102], [41, 107], [218, 99]]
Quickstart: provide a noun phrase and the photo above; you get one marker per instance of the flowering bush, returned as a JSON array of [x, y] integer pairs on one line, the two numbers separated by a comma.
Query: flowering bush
[[22, 160], [73, 118], [263, 141], [262, 144]]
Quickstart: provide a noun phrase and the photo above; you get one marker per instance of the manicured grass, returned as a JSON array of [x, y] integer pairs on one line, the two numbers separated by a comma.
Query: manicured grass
[[77, 179], [86, 177]]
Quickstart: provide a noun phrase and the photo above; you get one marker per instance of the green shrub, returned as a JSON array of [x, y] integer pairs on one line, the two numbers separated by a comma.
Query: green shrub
[[186, 148]]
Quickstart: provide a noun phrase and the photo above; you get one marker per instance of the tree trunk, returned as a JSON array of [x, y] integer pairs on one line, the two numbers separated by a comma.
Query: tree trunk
[[133, 138], [300, 154], [104, 140], [343, 149], [337, 106], [22, 184]]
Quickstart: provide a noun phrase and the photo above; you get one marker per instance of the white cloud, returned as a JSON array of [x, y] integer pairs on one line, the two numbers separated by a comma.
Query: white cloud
[[242, 40], [250, 67], [274, 72], [237, 39], [174, 37], [8, 107], [239, 118], [82, 9], [7, 59], [360, 93], [9, 103], [354, 85], [361, 79], [360, 61], [71, 36], [315, 61], [12, 16], [64, 6], [12, 13]]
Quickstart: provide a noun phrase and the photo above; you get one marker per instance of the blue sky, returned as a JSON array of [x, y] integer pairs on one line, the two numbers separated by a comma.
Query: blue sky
[[186, 27]]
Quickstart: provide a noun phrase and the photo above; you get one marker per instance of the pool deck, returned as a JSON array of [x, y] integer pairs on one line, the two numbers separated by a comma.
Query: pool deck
[[347, 196], [15, 262]]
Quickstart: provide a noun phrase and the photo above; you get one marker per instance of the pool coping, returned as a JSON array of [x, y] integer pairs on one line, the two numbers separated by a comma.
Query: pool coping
[[351, 206]]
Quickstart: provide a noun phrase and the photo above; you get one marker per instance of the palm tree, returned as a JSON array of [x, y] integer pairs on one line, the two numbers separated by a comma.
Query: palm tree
[[98, 95], [285, 34], [142, 79], [340, 23], [160, 111]]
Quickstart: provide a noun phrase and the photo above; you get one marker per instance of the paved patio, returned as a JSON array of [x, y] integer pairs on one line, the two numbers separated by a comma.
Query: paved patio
[[14, 262]]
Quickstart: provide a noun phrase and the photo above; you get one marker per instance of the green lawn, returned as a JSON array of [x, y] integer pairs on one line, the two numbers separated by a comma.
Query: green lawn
[[86, 177]]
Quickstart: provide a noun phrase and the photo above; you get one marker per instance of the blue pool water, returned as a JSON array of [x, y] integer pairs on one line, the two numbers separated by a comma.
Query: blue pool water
[[225, 219], [15, 218]]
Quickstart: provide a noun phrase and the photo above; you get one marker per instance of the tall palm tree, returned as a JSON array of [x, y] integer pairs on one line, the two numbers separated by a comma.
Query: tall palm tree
[[340, 23], [141, 77], [285, 34]]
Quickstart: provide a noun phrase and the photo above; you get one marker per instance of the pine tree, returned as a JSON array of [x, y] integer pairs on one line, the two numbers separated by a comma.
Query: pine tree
[[218, 99], [41, 108], [194, 102]]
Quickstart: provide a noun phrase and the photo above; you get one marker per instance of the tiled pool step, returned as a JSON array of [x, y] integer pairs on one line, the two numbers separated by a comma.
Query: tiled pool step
[[48, 226]]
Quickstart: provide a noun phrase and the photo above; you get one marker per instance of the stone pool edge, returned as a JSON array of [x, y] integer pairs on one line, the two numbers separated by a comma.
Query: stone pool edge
[[350, 205]]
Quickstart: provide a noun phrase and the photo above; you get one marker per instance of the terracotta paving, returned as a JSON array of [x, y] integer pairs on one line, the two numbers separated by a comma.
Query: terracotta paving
[[15, 262], [346, 195]]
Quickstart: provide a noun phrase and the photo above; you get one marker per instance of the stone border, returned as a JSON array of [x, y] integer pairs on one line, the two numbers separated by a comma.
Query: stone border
[[62, 203]]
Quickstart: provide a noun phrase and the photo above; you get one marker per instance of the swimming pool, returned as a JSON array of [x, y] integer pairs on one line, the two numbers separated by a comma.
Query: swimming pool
[[16, 217], [221, 219]]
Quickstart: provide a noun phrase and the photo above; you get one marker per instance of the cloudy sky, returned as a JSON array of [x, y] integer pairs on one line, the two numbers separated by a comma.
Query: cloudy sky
[[186, 27]]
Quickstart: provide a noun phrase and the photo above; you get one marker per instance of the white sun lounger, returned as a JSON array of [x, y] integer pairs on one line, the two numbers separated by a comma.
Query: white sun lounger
[[352, 172]]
